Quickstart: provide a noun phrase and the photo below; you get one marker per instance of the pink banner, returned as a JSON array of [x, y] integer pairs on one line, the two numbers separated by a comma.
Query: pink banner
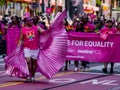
[[90, 47]]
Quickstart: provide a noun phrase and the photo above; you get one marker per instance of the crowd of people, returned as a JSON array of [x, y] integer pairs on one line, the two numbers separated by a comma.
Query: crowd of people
[[98, 25], [83, 24], [15, 23]]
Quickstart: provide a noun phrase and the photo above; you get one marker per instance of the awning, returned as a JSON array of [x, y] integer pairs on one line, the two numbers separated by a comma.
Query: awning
[[26, 0], [90, 7], [59, 2], [22, 1], [85, 1], [45, 1]]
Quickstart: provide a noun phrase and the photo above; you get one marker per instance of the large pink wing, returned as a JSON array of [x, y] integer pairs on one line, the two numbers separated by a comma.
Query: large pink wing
[[55, 28], [52, 59], [16, 64], [57, 25], [52, 56]]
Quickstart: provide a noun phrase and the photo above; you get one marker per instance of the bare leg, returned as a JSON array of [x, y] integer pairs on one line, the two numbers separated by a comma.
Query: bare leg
[[29, 64], [33, 67], [66, 65], [105, 67], [76, 65], [112, 65]]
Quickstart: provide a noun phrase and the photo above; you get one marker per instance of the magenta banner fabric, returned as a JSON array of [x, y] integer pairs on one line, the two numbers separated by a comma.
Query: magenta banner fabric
[[90, 47]]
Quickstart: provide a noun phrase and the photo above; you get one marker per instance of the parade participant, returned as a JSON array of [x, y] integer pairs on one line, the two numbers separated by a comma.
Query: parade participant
[[4, 23], [1, 41], [79, 28], [88, 28], [29, 54], [30, 38], [13, 34], [69, 28], [108, 30]]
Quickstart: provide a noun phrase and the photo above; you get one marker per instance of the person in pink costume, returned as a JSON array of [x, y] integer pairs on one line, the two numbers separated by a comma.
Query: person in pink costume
[[46, 54], [13, 34], [30, 38], [104, 34]]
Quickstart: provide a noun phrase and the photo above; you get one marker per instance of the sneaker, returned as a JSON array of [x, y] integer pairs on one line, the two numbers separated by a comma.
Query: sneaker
[[32, 79], [28, 79], [76, 69]]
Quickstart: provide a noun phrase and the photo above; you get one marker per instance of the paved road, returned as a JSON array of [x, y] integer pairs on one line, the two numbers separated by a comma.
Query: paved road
[[93, 79]]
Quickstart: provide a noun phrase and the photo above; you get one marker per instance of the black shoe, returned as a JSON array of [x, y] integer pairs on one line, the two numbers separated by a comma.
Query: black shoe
[[60, 69], [104, 70], [3, 56], [111, 70], [66, 69]]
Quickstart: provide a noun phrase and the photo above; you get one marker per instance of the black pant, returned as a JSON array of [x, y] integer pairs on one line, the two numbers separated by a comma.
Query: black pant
[[3, 47], [84, 63]]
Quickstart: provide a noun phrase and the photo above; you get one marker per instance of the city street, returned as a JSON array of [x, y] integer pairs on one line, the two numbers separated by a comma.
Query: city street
[[39, 35], [92, 79]]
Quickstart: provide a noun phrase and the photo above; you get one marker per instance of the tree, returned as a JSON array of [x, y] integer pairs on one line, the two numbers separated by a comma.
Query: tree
[[2, 2], [98, 3]]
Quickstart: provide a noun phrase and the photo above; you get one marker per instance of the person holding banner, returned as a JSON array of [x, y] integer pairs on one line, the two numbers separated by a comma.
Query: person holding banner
[[88, 28], [69, 28], [79, 28], [109, 29]]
